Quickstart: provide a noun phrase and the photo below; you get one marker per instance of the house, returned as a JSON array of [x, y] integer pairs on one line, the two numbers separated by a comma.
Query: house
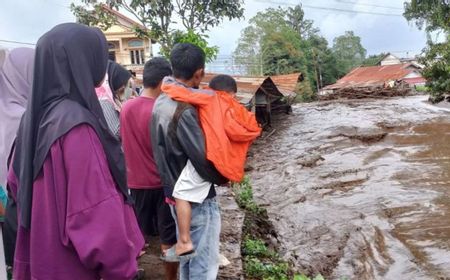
[[124, 46], [378, 77], [390, 59], [265, 95]]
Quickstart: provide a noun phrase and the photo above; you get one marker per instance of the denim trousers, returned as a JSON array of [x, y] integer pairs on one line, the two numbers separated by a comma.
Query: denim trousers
[[205, 235]]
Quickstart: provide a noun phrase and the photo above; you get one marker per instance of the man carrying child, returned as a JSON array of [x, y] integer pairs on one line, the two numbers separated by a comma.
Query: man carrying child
[[194, 153]]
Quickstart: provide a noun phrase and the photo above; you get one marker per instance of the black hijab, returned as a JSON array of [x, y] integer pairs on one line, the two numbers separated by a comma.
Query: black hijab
[[70, 60], [118, 76]]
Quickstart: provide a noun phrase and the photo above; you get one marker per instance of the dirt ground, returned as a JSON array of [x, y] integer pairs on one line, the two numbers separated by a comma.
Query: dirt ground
[[360, 189], [230, 247]]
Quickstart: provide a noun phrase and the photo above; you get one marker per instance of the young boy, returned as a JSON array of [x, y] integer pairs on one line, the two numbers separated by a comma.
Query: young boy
[[190, 186]]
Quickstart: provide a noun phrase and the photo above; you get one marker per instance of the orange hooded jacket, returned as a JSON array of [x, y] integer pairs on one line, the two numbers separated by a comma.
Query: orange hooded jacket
[[228, 126]]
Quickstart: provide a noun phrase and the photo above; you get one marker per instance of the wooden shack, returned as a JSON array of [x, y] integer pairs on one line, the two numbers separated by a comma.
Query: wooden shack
[[265, 95]]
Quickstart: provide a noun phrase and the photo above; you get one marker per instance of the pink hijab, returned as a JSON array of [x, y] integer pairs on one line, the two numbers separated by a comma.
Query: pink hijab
[[16, 80]]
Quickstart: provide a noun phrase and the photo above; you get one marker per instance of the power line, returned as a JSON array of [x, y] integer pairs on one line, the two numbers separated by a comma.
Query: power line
[[17, 42], [331, 8], [369, 5]]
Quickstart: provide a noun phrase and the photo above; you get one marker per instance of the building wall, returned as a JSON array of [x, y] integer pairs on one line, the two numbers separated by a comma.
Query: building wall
[[123, 45], [390, 60]]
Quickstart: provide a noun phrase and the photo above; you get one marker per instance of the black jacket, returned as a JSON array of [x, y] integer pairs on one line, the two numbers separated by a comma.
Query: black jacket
[[176, 136]]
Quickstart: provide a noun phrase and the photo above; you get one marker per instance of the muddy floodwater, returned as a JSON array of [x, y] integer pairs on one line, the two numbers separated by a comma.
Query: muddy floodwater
[[360, 189]]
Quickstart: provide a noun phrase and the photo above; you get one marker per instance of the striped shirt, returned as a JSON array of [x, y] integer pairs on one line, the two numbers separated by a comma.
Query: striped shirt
[[112, 117]]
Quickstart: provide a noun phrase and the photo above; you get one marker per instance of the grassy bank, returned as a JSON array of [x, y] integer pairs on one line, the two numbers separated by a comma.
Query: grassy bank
[[259, 248]]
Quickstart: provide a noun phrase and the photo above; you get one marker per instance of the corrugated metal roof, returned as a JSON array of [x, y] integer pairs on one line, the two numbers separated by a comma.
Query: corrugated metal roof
[[286, 84], [373, 76]]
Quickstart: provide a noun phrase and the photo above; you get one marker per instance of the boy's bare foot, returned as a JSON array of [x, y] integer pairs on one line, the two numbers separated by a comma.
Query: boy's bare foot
[[184, 248]]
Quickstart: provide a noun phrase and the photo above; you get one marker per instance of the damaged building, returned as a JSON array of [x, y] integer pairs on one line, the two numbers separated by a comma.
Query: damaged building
[[265, 95]]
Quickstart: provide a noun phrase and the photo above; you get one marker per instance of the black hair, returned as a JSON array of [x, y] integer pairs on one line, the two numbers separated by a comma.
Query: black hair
[[186, 59], [223, 83], [155, 70]]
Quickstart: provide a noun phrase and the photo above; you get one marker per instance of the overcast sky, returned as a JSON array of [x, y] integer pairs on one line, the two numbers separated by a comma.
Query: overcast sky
[[26, 20]]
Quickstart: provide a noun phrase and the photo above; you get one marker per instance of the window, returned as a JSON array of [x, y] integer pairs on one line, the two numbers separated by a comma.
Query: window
[[137, 56], [135, 44]]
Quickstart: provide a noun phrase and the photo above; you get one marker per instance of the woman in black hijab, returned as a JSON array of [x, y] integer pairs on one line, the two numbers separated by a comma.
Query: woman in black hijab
[[75, 218], [118, 78]]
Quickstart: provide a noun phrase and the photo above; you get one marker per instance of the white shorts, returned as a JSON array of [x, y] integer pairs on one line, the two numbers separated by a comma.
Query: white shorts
[[190, 186]]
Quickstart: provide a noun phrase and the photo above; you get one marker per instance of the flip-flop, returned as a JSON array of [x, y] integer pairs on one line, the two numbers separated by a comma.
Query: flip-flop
[[170, 255]]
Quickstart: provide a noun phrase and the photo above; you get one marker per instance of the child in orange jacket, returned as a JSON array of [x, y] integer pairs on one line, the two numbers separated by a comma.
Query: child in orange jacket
[[229, 131]]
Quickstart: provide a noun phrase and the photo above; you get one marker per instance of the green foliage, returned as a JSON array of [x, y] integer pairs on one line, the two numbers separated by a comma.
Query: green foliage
[[435, 16], [255, 268], [304, 277], [257, 248], [305, 92], [348, 51], [271, 45], [281, 41], [244, 196], [196, 39], [158, 18]]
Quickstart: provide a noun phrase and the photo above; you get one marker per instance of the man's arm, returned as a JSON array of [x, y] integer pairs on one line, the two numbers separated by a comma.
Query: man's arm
[[192, 140]]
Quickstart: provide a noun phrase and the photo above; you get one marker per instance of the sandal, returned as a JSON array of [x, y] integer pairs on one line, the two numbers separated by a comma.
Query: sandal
[[170, 255]]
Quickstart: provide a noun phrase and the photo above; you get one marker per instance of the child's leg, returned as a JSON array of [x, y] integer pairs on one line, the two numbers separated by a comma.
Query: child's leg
[[184, 244]]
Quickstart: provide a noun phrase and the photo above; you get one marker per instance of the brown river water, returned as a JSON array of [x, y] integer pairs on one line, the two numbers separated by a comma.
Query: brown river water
[[359, 189]]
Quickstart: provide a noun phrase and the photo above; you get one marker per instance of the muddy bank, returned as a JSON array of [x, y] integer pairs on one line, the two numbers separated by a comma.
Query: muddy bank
[[230, 246], [360, 189]]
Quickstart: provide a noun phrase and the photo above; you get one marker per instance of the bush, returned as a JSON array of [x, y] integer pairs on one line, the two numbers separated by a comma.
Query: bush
[[255, 268]]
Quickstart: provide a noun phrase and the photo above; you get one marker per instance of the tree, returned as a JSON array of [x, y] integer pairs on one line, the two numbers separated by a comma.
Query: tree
[[296, 20], [158, 18], [321, 61], [280, 41], [269, 45], [435, 16], [348, 51]]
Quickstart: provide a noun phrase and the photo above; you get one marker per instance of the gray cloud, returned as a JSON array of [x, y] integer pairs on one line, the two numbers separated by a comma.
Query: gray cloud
[[27, 20]]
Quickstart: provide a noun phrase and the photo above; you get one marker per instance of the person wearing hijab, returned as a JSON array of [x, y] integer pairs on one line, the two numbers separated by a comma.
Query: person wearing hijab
[[111, 94], [16, 78], [68, 172]]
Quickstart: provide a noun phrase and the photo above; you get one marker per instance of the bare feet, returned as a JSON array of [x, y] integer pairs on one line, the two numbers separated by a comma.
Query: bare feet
[[182, 248]]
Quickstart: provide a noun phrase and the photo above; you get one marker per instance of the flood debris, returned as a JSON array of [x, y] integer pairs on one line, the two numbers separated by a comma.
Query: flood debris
[[361, 93], [309, 160]]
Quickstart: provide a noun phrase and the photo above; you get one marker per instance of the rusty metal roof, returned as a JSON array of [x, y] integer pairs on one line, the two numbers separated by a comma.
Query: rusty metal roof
[[285, 84], [373, 76]]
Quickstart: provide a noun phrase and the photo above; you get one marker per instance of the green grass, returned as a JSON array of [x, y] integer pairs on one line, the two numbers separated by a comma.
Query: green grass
[[261, 262], [244, 196], [266, 270]]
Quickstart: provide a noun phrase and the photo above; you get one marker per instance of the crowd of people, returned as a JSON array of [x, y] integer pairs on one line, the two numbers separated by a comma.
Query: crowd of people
[[90, 169]]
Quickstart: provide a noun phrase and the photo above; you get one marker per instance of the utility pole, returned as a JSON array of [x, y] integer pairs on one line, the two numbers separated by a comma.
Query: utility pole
[[315, 69]]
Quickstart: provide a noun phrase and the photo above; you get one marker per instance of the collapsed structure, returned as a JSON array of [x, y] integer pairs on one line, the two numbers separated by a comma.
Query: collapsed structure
[[265, 95], [390, 77]]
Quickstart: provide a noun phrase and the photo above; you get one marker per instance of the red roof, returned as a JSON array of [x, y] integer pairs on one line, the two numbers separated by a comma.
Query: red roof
[[415, 81], [286, 82], [373, 76]]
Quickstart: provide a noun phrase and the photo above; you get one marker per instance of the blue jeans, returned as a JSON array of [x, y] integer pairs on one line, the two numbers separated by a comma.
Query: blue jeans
[[205, 235]]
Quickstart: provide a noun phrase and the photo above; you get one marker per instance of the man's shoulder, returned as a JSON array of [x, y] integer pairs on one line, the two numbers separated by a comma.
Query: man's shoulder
[[166, 105]]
